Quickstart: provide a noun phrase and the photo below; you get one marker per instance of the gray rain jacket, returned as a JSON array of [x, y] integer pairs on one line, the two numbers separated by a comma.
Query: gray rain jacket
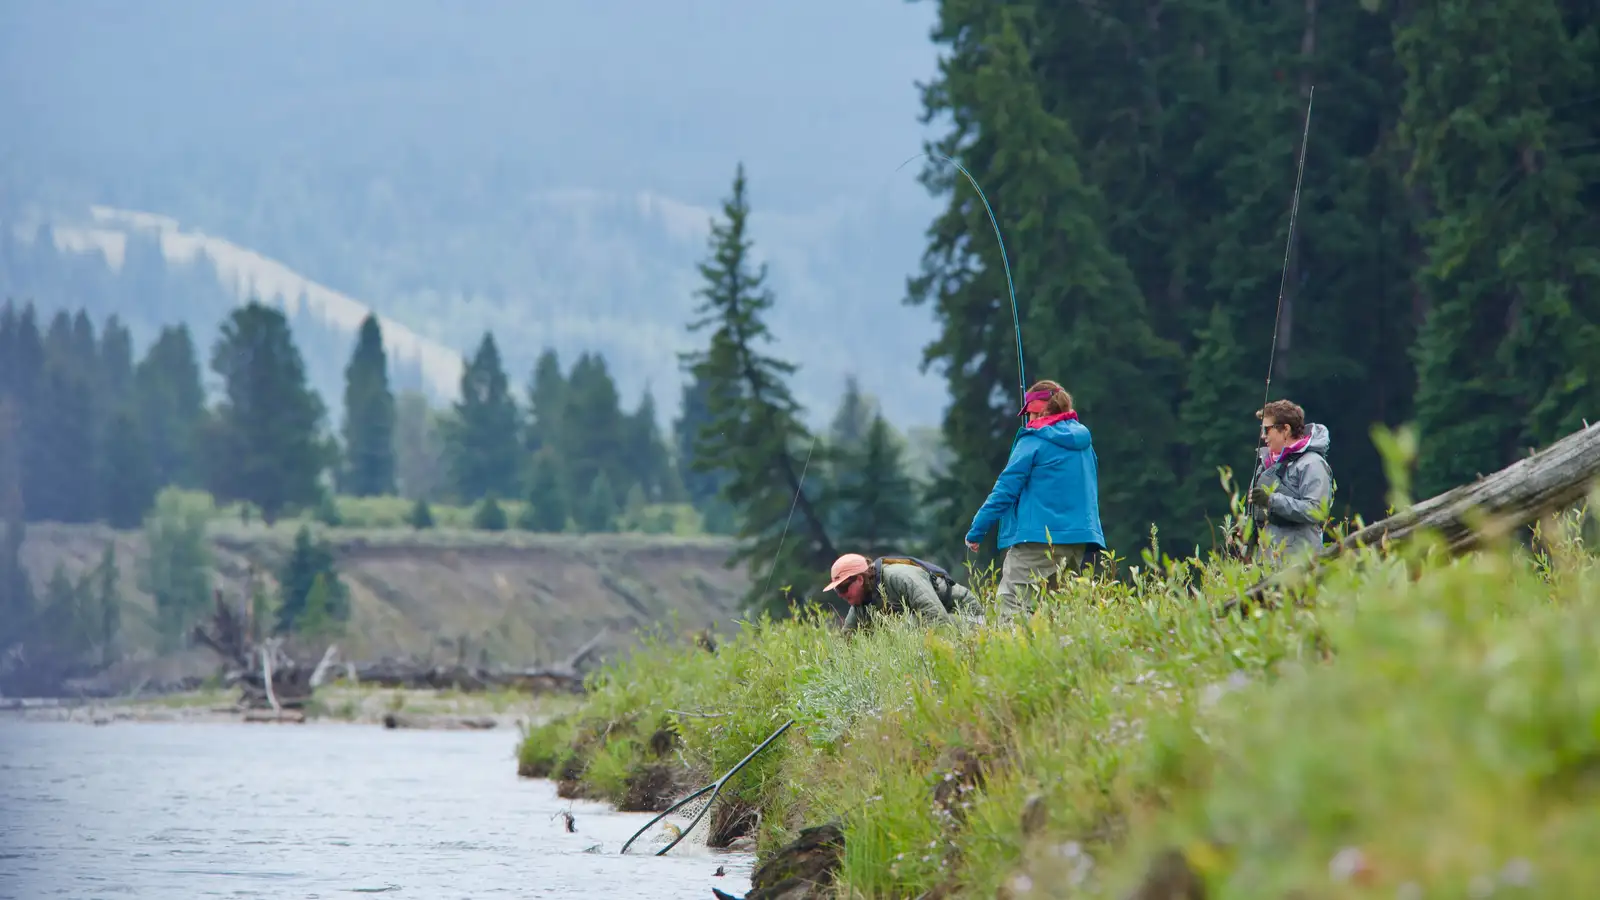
[[1300, 486]]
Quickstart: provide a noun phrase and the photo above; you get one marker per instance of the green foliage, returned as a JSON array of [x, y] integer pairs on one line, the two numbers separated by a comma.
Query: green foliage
[[176, 570], [171, 404], [870, 496], [754, 437], [421, 515], [128, 477], [1506, 162], [264, 444], [484, 441], [598, 512], [317, 618], [488, 515], [547, 506], [16, 590], [309, 573], [369, 426], [1131, 719]]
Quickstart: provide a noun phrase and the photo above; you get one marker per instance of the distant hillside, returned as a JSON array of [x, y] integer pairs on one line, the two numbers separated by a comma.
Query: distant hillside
[[525, 598], [533, 169]]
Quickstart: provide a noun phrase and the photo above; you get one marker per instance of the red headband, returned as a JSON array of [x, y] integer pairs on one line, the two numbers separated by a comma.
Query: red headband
[[1036, 401]]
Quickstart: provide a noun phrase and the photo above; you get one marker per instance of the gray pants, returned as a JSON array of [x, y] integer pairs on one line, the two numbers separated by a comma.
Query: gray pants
[[1030, 569]]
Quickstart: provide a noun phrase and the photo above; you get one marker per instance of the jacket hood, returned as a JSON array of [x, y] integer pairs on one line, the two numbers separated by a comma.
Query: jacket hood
[[1068, 435], [1318, 442]]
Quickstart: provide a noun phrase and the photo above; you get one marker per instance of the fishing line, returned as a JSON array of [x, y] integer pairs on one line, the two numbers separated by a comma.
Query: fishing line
[[1016, 323], [801, 486]]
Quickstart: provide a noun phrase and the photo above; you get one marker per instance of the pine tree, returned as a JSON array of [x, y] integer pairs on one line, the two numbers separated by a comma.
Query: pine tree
[[484, 440], [645, 453], [127, 474], [369, 425], [488, 515], [547, 402], [62, 479], [702, 487], [316, 619], [853, 419], [171, 407], [421, 515], [548, 506], [310, 561], [601, 444], [754, 434], [1217, 434], [599, 508], [265, 445], [875, 502]]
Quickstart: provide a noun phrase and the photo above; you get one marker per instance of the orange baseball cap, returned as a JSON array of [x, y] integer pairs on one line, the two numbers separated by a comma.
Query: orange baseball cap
[[847, 566]]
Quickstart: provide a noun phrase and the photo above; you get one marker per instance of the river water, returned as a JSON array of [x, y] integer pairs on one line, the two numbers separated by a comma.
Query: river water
[[169, 811]]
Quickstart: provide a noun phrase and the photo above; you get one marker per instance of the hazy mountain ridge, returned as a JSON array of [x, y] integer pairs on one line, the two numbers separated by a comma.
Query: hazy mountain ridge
[[610, 273], [545, 171]]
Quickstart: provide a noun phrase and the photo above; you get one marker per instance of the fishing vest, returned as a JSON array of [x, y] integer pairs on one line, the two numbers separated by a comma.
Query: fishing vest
[[942, 580]]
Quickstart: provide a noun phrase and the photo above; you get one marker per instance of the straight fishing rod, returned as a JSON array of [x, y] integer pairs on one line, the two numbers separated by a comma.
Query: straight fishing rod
[[1283, 283]]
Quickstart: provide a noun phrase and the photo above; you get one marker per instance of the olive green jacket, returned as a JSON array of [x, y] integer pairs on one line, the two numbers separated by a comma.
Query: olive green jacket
[[906, 588]]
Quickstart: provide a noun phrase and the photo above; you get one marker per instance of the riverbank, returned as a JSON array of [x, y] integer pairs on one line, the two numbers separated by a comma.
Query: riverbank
[[1427, 728], [391, 707]]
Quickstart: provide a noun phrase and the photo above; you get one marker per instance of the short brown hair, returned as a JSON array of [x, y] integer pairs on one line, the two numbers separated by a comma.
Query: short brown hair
[[1282, 412], [1060, 401]]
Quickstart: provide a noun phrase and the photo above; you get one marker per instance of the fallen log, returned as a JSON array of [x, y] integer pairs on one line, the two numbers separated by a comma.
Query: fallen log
[[1554, 479], [439, 723], [398, 674]]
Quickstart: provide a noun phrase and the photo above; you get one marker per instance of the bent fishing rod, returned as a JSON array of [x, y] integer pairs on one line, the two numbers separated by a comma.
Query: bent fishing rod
[[1283, 283], [1011, 290]]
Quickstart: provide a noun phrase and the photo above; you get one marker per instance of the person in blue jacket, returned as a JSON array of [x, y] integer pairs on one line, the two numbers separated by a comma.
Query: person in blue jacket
[[1046, 501]]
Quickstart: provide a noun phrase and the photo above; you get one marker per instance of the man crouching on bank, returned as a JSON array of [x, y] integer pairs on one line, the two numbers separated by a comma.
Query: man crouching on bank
[[899, 585]]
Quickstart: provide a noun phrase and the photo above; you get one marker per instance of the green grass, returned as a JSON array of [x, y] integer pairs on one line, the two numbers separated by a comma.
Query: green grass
[[1426, 727]]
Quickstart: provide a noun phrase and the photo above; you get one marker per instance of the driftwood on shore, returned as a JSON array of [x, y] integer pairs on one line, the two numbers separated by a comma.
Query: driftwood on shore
[[273, 674], [277, 674], [567, 677], [1554, 479]]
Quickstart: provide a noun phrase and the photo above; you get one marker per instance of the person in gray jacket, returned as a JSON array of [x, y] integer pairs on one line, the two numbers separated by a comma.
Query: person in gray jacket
[[1292, 491]]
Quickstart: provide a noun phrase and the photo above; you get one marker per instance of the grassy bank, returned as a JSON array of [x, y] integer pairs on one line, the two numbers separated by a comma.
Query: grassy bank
[[1429, 728]]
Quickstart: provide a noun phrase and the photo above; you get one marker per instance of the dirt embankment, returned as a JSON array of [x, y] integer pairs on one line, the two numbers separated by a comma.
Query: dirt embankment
[[518, 598]]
